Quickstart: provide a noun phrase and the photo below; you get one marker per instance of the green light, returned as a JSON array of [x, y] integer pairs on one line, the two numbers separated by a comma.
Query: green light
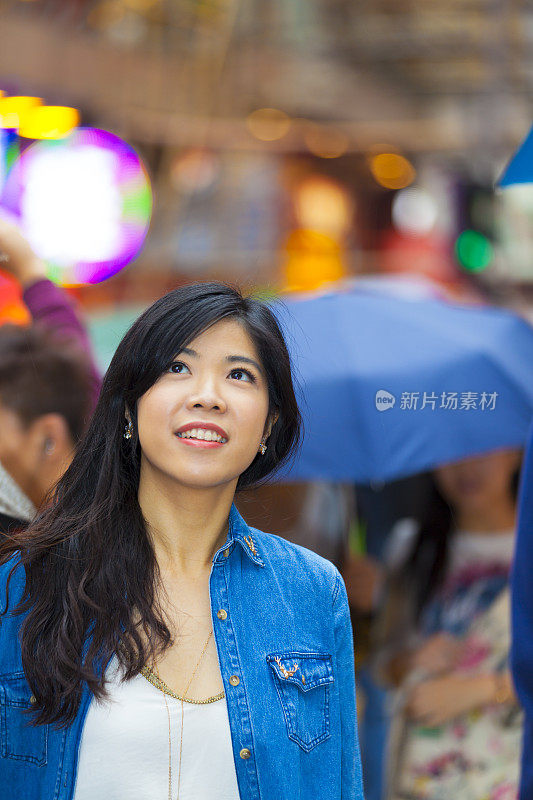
[[265, 293], [53, 272], [138, 205], [12, 153], [473, 251]]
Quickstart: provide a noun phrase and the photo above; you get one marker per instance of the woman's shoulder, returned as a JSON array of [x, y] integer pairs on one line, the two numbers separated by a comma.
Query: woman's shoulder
[[295, 559], [16, 584]]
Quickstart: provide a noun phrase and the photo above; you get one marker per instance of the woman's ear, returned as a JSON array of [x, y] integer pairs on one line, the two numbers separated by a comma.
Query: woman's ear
[[271, 422], [127, 413]]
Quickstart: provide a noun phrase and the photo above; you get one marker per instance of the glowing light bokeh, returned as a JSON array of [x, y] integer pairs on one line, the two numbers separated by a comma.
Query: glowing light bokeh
[[312, 259], [268, 124], [13, 109], [194, 171], [323, 205], [392, 171], [9, 151], [12, 309], [48, 122], [414, 212], [84, 202], [474, 251], [325, 142], [3, 157]]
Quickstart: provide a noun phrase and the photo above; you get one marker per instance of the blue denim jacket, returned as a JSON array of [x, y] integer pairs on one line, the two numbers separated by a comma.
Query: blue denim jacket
[[282, 625]]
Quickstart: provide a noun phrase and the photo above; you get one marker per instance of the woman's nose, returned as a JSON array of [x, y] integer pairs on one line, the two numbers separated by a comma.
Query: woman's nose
[[206, 395]]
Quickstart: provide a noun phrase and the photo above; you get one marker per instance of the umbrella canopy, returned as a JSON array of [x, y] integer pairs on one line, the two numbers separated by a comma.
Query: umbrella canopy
[[520, 168], [390, 386]]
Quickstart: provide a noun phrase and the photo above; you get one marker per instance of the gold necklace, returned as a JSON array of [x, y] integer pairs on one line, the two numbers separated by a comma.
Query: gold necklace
[[168, 717], [162, 686]]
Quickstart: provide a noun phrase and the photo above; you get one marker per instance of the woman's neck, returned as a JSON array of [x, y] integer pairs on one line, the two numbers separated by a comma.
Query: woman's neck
[[495, 518], [186, 525]]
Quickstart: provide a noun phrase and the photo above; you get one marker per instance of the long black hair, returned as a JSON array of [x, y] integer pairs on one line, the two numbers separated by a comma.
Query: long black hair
[[88, 561], [428, 559]]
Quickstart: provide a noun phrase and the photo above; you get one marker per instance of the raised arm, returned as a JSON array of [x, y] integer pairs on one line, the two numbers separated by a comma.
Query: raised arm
[[48, 304]]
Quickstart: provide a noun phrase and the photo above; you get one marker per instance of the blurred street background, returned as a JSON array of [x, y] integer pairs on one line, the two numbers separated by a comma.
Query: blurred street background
[[298, 148], [290, 143]]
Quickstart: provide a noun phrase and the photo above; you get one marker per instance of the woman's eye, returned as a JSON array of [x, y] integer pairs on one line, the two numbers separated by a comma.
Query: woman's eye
[[175, 367], [249, 375]]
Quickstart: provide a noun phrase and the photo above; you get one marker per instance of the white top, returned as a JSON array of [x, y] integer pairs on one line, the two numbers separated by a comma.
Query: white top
[[467, 547], [124, 746], [481, 549]]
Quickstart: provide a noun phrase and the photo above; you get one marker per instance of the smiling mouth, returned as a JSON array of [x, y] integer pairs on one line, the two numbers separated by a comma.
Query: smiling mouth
[[202, 435]]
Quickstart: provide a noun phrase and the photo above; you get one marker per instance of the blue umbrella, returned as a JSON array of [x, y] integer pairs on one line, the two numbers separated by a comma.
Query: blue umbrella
[[520, 168], [390, 386]]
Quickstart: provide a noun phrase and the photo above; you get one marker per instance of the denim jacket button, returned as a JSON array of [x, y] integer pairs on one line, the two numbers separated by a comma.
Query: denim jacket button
[[222, 613], [245, 753], [234, 680], [33, 699], [226, 552]]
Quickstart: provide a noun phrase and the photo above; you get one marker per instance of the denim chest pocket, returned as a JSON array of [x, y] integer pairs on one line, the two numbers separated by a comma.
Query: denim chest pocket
[[303, 683], [18, 738]]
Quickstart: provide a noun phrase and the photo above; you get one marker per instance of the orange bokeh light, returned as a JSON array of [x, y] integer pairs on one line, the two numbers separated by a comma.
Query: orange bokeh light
[[312, 259], [392, 170], [325, 141], [13, 109], [48, 122], [268, 124]]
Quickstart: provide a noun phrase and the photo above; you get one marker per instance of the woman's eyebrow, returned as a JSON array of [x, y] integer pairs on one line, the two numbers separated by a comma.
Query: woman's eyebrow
[[246, 360], [231, 359]]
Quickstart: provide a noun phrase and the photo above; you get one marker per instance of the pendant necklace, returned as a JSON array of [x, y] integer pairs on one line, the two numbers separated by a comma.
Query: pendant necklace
[[168, 717]]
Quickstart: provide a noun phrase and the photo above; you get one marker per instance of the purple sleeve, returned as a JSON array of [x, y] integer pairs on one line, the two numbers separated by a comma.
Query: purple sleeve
[[51, 307]]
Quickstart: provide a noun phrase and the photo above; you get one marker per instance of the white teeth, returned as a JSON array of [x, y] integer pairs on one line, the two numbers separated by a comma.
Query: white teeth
[[202, 434]]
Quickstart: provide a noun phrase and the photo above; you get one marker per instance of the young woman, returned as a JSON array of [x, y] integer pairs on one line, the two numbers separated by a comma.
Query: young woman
[[153, 645], [461, 727]]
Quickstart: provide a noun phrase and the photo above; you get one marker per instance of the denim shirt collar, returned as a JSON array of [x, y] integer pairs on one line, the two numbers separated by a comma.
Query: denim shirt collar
[[240, 532]]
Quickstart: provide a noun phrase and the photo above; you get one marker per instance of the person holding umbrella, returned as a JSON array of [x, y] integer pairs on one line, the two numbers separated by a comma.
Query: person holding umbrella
[[446, 638], [520, 171], [522, 619]]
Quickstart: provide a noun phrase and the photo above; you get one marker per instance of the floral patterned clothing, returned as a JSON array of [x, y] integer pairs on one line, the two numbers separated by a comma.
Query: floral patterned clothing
[[476, 755]]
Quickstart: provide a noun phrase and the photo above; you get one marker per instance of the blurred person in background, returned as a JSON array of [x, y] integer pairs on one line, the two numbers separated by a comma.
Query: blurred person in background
[[446, 637], [379, 505], [48, 385], [45, 402]]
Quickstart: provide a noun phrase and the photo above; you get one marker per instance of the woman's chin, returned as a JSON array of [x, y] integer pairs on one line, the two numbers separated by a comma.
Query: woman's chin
[[201, 480]]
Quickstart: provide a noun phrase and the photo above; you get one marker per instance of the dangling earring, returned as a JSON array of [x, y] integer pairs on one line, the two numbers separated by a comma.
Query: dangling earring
[[128, 430], [262, 448]]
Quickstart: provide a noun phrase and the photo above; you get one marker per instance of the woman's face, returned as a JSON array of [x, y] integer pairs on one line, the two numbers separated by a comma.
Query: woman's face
[[475, 482], [217, 380]]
